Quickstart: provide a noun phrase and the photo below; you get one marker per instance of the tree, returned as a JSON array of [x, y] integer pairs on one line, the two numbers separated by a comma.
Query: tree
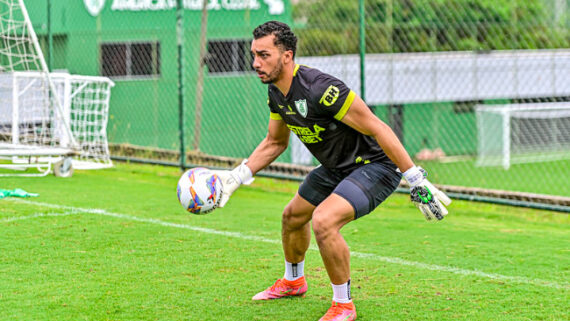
[[327, 27]]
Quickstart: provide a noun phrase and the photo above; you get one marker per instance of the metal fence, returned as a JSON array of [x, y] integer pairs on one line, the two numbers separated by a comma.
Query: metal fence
[[478, 91]]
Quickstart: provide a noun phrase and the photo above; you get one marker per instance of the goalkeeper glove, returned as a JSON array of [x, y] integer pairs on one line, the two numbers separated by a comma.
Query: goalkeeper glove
[[425, 196], [231, 180]]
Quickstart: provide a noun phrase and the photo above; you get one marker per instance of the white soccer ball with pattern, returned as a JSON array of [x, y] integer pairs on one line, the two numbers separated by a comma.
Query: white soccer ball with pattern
[[199, 190]]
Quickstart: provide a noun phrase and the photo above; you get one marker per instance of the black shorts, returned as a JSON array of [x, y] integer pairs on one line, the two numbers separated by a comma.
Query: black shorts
[[364, 188]]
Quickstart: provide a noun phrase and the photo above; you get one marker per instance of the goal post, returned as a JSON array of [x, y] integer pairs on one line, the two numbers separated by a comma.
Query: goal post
[[522, 133], [20, 51], [45, 116], [88, 98]]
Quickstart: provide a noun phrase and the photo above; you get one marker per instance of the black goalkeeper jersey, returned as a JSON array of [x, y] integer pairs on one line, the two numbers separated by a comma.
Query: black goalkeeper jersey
[[312, 110]]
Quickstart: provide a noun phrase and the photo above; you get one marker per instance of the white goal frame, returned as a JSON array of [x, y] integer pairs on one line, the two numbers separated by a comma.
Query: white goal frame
[[87, 150], [501, 134], [55, 93]]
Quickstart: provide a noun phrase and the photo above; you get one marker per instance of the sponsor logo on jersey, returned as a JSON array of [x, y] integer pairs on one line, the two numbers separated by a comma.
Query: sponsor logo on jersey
[[330, 96], [301, 106], [307, 135]]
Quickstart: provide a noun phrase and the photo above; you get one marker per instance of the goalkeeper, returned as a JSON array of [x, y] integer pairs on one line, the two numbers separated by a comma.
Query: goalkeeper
[[361, 164]]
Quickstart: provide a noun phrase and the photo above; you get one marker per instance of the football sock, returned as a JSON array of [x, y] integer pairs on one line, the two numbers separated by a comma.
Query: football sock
[[294, 271], [341, 292]]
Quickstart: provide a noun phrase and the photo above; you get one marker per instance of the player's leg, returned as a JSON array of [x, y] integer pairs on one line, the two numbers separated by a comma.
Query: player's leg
[[355, 196], [296, 231], [296, 234], [328, 218]]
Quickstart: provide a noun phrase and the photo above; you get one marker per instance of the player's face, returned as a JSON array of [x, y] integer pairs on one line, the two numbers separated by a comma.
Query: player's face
[[267, 59]]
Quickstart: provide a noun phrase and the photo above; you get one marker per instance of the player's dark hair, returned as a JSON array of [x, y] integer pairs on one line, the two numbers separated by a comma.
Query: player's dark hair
[[284, 37]]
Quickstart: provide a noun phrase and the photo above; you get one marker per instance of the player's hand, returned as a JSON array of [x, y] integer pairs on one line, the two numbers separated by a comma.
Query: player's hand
[[233, 179], [428, 198]]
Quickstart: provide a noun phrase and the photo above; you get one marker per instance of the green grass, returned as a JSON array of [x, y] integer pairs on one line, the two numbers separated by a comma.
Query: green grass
[[549, 178], [116, 245]]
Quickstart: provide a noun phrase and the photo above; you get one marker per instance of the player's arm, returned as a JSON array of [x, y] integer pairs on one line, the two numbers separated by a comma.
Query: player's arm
[[361, 118], [273, 145], [424, 195]]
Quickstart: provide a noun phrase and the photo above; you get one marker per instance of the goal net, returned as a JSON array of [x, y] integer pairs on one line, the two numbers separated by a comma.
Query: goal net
[[48, 114], [522, 133]]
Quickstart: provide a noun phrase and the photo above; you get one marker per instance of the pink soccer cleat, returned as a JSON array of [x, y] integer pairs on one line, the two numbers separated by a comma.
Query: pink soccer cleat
[[340, 312], [283, 288]]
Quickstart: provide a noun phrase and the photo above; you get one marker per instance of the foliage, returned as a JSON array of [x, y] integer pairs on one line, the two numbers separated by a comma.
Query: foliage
[[421, 26]]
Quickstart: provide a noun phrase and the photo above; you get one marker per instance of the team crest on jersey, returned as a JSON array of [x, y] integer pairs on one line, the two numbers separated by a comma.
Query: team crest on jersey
[[301, 106]]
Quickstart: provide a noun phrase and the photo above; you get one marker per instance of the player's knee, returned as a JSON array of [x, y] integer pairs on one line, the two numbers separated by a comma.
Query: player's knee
[[292, 220], [323, 226]]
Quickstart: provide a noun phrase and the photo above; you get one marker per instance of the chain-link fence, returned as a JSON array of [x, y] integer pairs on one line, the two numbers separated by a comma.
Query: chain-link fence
[[478, 91]]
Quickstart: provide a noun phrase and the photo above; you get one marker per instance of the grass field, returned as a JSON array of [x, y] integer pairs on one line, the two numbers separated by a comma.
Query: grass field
[[116, 245], [549, 178]]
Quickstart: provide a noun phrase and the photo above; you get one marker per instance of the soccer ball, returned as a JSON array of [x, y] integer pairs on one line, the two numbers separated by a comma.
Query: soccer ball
[[199, 190]]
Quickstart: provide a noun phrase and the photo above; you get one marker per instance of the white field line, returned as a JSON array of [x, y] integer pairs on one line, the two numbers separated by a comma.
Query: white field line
[[21, 218], [393, 260]]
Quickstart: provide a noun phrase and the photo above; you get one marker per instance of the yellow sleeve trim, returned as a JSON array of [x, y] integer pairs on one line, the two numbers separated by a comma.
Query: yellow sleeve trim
[[295, 70], [344, 109], [275, 116]]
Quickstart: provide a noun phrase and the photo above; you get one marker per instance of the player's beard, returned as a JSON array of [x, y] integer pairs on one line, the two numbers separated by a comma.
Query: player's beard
[[273, 76]]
